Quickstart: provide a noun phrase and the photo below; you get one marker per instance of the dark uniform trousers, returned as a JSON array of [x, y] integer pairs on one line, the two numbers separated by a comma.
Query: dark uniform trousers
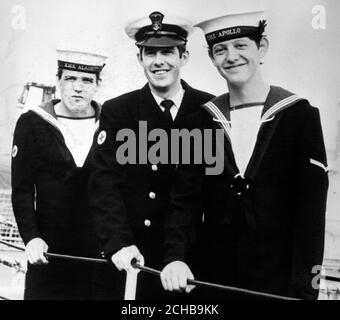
[[265, 231], [130, 202]]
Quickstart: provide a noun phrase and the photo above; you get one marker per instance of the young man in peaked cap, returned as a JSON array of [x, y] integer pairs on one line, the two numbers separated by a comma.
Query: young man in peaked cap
[[130, 202], [49, 181], [264, 216]]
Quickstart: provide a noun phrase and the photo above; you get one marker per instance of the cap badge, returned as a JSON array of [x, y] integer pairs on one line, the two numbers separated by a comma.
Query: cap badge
[[156, 19]]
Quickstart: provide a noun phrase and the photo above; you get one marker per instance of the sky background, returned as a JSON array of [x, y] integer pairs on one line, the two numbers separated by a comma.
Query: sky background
[[301, 58]]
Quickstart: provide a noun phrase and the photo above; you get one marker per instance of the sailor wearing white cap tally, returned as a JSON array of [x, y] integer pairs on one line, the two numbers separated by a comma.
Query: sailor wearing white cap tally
[[232, 26], [237, 48], [262, 212], [49, 186], [80, 61], [78, 80]]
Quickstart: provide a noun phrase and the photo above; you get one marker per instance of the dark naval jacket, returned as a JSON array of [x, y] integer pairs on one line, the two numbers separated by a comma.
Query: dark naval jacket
[[130, 202], [263, 231], [49, 196]]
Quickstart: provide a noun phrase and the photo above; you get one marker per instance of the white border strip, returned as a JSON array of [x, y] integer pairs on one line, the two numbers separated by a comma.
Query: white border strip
[[319, 164], [46, 116], [280, 105], [220, 116]]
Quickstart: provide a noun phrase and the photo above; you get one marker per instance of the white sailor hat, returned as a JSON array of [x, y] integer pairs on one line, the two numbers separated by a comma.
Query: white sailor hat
[[159, 30], [80, 61], [233, 26]]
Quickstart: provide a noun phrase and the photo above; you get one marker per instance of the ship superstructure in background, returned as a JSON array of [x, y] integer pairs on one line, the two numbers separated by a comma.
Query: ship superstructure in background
[[34, 94], [12, 263]]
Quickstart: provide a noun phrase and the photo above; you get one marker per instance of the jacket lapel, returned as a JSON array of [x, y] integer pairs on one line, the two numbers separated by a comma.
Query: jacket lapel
[[148, 110], [187, 106]]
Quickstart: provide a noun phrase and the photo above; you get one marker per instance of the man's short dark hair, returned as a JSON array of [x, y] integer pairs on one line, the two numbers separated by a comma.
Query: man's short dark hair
[[256, 38], [181, 49], [60, 73]]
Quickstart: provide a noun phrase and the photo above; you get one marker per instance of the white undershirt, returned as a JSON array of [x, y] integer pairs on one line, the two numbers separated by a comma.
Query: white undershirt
[[177, 99], [78, 134], [245, 125]]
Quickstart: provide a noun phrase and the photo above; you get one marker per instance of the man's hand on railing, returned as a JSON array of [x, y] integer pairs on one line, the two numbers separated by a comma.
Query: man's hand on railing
[[166, 270], [122, 259], [175, 275], [35, 251]]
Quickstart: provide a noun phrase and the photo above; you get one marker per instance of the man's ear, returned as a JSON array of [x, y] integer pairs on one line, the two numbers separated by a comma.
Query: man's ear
[[57, 81], [264, 46], [139, 57], [211, 56], [185, 58]]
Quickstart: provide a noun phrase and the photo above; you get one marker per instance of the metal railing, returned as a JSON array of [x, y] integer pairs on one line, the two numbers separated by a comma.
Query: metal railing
[[132, 273], [10, 238], [8, 227]]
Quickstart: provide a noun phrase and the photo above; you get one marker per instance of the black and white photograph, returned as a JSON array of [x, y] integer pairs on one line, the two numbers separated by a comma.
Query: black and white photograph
[[172, 151]]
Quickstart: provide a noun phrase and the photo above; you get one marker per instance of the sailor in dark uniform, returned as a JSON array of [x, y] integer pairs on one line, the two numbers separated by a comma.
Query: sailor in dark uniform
[[49, 181], [130, 202], [264, 216]]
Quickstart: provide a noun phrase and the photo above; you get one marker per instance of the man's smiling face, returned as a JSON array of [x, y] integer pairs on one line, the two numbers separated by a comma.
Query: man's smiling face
[[162, 66], [237, 60]]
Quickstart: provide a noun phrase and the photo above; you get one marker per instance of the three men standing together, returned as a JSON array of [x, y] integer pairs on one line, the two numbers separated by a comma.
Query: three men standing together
[[258, 225]]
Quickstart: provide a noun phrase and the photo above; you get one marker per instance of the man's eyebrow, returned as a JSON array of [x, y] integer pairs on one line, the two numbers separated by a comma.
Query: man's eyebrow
[[82, 78], [87, 79], [219, 46]]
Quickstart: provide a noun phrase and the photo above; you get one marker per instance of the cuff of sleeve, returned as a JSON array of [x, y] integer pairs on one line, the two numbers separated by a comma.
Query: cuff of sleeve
[[176, 254], [27, 238], [115, 244]]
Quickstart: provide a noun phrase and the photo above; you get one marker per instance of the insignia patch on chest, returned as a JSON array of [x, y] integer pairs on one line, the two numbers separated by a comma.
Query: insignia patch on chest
[[101, 137], [14, 151]]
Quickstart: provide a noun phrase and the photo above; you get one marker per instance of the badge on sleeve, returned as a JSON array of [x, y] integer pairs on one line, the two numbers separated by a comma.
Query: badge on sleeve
[[101, 137], [319, 164], [14, 151]]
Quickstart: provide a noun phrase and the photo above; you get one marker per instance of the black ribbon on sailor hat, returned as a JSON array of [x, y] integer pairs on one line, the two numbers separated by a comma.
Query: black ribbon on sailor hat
[[235, 32]]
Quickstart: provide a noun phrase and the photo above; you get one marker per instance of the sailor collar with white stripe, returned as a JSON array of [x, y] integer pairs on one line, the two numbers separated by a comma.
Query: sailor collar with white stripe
[[277, 100], [246, 105], [46, 111]]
